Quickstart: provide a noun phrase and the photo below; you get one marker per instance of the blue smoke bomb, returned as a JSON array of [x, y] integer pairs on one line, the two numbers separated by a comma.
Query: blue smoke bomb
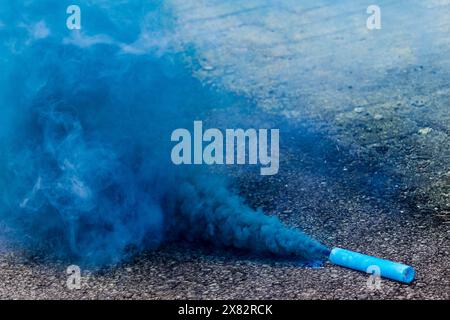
[[361, 262]]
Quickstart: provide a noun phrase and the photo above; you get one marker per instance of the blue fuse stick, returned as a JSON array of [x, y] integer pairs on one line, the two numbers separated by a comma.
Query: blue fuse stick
[[361, 262]]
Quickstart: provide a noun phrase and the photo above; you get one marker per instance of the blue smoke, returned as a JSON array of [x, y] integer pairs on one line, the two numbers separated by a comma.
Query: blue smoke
[[86, 118]]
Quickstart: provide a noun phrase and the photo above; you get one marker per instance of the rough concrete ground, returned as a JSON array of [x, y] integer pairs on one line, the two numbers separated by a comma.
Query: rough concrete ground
[[384, 92]]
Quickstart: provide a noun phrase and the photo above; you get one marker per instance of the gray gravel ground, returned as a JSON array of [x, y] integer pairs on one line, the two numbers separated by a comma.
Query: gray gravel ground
[[337, 209]]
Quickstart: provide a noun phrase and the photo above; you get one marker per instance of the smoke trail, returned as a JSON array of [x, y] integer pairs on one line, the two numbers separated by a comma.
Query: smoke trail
[[209, 212], [86, 122]]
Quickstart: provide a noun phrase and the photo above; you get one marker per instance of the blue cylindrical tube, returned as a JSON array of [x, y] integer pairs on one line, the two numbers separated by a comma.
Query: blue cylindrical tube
[[361, 262]]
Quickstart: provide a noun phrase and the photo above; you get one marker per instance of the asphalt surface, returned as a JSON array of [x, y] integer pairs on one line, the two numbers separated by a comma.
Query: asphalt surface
[[338, 209], [384, 92]]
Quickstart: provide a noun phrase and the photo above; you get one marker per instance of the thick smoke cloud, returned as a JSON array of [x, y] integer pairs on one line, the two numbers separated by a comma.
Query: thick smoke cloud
[[86, 118]]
